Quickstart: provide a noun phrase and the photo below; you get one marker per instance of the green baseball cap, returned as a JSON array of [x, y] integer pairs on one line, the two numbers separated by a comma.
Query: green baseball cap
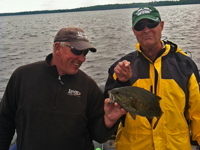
[[147, 12]]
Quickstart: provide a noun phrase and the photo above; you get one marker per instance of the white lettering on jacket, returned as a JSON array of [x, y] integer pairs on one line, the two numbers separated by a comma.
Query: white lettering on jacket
[[74, 92]]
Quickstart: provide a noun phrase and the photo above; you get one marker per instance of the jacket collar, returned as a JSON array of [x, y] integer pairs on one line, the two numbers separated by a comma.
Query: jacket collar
[[53, 68], [167, 47], [50, 68]]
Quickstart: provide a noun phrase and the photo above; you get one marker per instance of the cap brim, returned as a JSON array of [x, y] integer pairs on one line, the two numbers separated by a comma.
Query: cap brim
[[83, 45], [156, 19]]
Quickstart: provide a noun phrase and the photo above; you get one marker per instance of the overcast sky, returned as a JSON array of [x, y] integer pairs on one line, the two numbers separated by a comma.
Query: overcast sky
[[32, 5]]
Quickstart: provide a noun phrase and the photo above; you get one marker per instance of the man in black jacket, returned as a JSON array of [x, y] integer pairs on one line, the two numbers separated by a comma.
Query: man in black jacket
[[52, 104]]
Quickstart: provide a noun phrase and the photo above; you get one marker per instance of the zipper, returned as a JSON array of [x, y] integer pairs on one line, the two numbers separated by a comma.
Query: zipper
[[58, 90], [59, 78], [156, 81]]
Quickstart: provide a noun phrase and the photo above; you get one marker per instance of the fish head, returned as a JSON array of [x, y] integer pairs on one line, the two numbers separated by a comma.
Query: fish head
[[118, 95], [111, 97]]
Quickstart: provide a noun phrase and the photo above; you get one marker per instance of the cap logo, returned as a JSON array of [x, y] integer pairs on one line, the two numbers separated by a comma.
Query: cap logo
[[143, 11], [81, 35]]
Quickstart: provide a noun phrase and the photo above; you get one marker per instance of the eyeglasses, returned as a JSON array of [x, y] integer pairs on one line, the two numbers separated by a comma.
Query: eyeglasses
[[150, 24], [77, 52]]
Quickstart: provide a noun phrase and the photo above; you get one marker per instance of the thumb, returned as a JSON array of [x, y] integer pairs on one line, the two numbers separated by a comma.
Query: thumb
[[127, 64], [106, 102]]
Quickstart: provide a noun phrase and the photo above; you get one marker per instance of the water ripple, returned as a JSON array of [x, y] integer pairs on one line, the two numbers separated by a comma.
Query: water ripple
[[29, 38]]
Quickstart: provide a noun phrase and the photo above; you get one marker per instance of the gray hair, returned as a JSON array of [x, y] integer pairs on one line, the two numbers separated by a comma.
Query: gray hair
[[61, 43]]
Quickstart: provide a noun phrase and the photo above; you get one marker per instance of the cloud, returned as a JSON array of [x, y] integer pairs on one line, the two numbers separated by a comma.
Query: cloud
[[33, 5]]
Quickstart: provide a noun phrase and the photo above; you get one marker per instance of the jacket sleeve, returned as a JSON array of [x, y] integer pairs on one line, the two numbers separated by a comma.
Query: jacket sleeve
[[95, 114], [193, 112], [8, 107]]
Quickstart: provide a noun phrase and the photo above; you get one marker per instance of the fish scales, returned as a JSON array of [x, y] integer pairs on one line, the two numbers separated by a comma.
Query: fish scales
[[137, 101]]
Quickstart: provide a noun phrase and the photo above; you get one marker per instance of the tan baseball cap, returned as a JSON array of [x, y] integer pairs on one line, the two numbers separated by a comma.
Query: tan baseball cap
[[76, 37]]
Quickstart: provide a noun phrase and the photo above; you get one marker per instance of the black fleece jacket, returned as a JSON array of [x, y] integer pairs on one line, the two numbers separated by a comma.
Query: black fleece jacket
[[50, 111]]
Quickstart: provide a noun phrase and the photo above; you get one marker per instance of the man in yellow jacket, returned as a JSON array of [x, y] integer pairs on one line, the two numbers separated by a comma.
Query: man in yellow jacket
[[162, 68]]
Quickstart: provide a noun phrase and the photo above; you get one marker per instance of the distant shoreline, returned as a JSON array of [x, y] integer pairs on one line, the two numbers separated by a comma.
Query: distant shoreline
[[107, 7]]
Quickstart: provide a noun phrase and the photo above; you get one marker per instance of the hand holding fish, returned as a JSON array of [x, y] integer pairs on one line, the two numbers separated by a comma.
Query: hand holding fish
[[123, 71], [112, 113]]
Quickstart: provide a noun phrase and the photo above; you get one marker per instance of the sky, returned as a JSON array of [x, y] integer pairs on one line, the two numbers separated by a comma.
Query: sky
[[10, 6]]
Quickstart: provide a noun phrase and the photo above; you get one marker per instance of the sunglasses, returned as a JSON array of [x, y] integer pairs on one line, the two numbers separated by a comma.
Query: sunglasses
[[77, 52], [149, 24]]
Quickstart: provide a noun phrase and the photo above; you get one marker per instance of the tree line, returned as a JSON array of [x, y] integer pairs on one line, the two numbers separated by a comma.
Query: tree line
[[108, 7]]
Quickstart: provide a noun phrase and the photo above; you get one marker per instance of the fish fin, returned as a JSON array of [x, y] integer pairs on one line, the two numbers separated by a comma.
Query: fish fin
[[132, 115], [158, 97], [155, 124], [150, 120]]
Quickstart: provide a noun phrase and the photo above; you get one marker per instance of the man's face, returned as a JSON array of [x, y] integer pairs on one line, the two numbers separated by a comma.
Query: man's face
[[67, 62], [149, 37]]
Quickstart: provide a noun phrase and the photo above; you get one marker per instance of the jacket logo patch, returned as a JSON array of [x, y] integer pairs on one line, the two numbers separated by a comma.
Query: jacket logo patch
[[74, 93]]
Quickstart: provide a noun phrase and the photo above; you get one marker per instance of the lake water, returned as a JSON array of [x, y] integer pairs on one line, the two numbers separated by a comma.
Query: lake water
[[29, 38]]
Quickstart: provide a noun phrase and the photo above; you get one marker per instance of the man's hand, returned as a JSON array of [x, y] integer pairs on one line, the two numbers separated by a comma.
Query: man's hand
[[112, 113], [123, 71]]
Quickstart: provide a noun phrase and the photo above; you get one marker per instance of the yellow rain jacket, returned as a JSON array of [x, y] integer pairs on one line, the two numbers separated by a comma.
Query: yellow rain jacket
[[174, 77]]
